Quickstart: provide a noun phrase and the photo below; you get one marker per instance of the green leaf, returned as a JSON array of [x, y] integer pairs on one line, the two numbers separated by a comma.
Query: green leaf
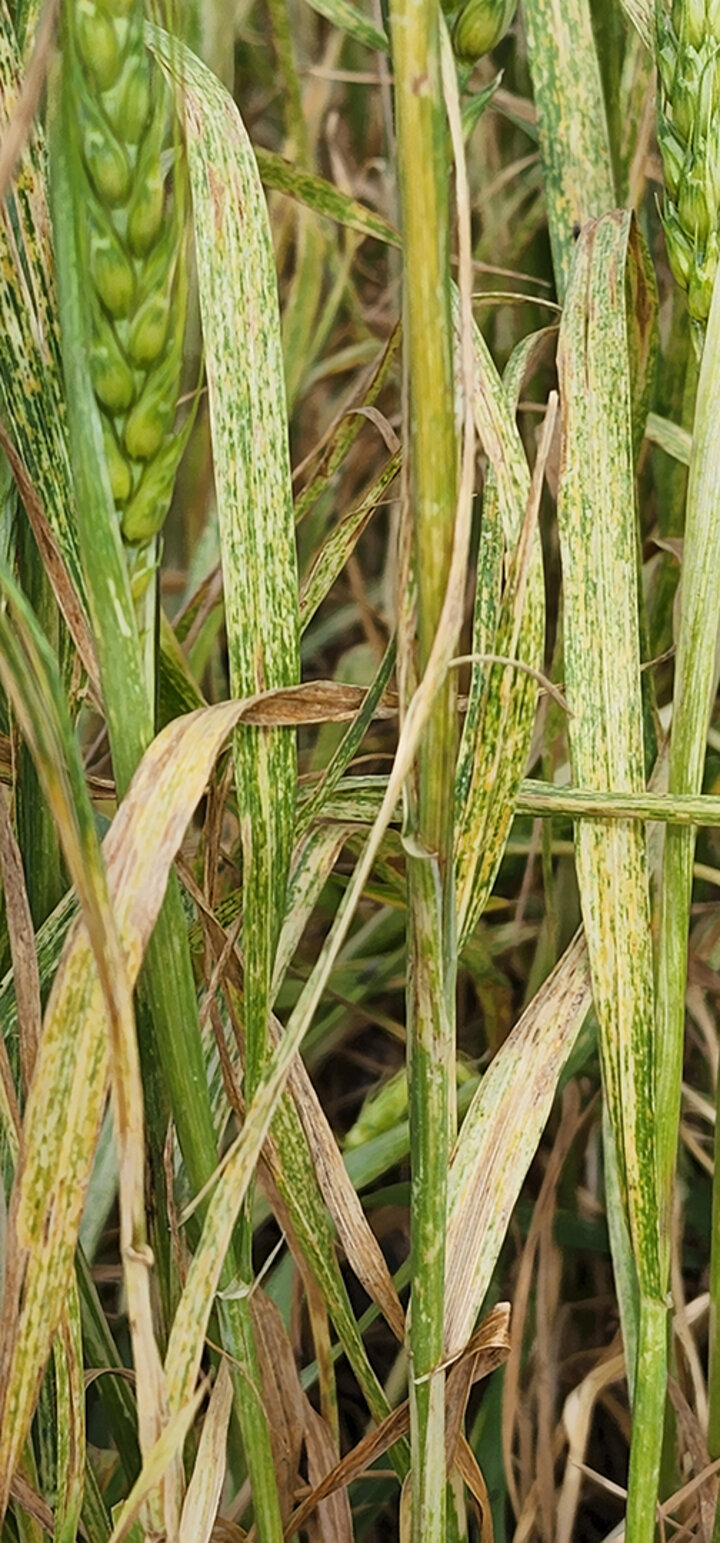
[[574, 137], [598, 536], [596, 513], [349, 18], [501, 702], [241, 328], [322, 196]]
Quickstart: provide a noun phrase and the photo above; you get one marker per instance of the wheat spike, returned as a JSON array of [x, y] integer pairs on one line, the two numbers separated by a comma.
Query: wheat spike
[[688, 59], [131, 231], [480, 26]]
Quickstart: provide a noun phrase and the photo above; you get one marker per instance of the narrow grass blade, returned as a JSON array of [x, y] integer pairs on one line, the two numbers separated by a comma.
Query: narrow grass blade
[[95, 1519], [350, 19], [22, 947], [339, 545], [361, 1247], [49, 944], [70, 1397], [206, 1482], [302, 1153], [501, 704], [670, 808], [301, 1175], [10, 1132], [349, 746], [573, 127], [100, 1352], [671, 438], [248, 421], [305, 315], [323, 197], [695, 686], [314, 858], [347, 425], [289, 1160]]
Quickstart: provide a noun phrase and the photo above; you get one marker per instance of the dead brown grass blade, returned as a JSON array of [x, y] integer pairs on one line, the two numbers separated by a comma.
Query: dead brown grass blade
[[543, 1213], [294, 1424], [486, 1351], [283, 1397], [470, 1472], [499, 1136], [332, 1519], [208, 1477], [361, 1247], [22, 947], [32, 1503]]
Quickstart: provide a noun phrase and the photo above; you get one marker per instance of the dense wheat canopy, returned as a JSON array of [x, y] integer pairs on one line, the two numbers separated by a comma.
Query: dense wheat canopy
[[360, 764]]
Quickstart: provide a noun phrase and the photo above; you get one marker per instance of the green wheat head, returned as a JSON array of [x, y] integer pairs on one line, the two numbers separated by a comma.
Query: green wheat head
[[688, 59], [480, 26], [131, 205]]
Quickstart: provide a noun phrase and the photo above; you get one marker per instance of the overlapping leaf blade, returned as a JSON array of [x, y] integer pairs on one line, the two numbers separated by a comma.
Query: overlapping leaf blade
[[573, 124], [598, 534]]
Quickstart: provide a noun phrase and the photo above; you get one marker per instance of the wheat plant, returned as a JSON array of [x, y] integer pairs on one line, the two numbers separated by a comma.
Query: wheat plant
[[359, 597]]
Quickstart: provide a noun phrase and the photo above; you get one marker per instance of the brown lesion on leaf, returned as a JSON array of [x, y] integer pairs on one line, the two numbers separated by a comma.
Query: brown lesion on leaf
[[218, 194]]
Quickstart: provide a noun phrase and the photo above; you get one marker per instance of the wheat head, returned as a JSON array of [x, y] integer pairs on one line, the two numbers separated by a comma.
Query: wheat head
[[688, 60], [131, 210]]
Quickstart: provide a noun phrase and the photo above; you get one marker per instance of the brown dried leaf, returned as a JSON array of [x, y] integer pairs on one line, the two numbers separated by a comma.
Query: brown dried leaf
[[205, 1488], [577, 1417], [320, 701], [362, 1249], [487, 1349], [470, 1472], [22, 947], [383, 426], [500, 1133], [283, 1397], [32, 1503], [693, 1440], [332, 1520]]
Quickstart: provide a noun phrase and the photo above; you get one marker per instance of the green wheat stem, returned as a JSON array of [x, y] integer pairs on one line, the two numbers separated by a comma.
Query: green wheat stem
[[695, 675], [423, 177], [687, 39], [714, 1332]]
